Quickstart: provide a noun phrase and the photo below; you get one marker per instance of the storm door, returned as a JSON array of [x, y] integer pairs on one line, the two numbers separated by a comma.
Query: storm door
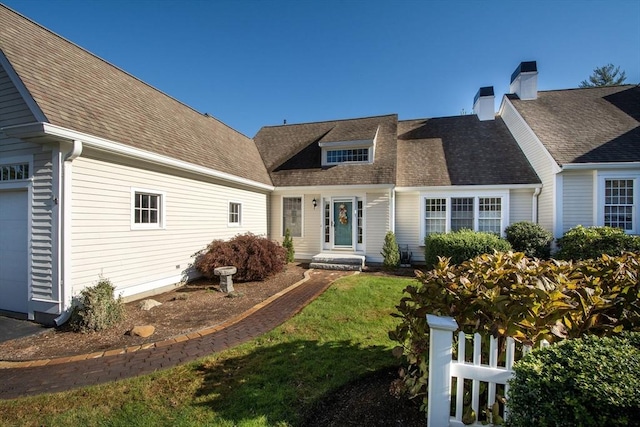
[[343, 223]]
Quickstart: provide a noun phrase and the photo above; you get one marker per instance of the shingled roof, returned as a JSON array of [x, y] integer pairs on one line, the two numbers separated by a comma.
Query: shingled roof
[[80, 91], [460, 150], [293, 156], [591, 125]]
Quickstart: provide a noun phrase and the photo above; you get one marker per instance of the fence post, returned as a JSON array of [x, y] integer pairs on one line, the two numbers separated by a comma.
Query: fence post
[[439, 386]]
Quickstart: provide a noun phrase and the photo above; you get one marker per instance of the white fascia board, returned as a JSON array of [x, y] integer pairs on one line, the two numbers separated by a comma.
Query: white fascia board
[[320, 188], [354, 144], [554, 165], [22, 89], [47, 129], [613, 165], [479, 188]]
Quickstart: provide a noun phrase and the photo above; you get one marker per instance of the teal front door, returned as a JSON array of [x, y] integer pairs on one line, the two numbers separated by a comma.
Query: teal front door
[[343, 224]]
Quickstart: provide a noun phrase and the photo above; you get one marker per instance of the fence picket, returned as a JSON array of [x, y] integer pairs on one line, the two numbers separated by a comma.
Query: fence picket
[[444, 368]]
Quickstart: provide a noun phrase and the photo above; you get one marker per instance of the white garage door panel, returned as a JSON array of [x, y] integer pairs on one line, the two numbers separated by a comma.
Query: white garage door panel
[[13, 251]]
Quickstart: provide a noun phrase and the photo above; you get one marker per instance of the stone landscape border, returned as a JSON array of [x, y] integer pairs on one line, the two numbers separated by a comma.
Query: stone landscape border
[[179, 338]]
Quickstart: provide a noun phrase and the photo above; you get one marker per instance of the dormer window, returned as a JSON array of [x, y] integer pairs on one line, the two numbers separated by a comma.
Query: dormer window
[[339, 152]]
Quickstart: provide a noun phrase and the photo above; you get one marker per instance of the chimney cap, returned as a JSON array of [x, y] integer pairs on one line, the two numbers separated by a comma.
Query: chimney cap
[[484, 91], [524, 67]]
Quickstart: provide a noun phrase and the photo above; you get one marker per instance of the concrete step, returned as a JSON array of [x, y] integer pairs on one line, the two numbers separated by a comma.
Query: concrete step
[[345, 262]]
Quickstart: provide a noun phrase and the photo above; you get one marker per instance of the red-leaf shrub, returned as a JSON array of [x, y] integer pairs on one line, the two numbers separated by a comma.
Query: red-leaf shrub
[[256, 258]]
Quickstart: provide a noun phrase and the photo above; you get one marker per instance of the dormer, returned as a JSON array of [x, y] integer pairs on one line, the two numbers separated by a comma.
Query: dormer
[[360, 151]]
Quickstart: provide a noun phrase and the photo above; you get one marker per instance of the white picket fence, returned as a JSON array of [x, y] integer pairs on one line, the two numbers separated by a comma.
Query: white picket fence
[[442, 368]]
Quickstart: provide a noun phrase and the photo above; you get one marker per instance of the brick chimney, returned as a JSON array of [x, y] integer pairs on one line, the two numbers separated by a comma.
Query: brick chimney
[[524, 80], [483, 104]]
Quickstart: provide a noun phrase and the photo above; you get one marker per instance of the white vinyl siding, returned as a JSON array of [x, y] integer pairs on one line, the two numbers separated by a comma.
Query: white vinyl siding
[[103, 243], [409, 216], [577, 199], [539, 159], [377, 223], [13, 108], [520, 205]]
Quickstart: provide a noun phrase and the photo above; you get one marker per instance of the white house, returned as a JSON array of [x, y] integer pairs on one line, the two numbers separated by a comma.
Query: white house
[[102, 175]]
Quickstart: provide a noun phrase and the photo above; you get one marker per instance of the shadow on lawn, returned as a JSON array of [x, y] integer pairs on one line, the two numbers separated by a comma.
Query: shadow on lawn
[[281, 382]]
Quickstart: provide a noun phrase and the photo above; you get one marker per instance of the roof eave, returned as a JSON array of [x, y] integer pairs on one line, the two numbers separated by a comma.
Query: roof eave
[[601, 165], [47, 131]]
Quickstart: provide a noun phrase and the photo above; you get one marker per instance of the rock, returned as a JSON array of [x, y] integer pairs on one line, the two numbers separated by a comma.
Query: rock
[[142, 331], [148, 304]]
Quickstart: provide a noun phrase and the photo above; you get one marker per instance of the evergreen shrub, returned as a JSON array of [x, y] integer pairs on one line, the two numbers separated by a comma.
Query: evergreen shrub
[[390, 252], [461, 246], [287, 244], [255, 258], [591, 242], [582, 382], [530, 238], [96, 308]]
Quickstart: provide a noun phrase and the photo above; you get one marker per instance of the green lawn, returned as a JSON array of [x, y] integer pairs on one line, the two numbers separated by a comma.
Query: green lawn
[[270, 381]]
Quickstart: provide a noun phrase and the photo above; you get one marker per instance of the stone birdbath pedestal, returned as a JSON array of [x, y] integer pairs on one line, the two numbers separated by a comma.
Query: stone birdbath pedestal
[[225, 273]]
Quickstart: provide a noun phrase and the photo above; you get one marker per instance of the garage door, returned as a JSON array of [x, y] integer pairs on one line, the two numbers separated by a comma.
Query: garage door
[[13, 251]]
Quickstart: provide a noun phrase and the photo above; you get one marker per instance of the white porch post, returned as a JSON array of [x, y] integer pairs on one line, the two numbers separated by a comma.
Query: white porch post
[[439, 391]]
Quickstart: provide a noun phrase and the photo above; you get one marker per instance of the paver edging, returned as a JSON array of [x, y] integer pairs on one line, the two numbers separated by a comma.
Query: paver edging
[[168, 341]]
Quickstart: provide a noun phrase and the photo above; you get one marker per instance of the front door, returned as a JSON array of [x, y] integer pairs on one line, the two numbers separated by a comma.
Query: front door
[[343, 223]]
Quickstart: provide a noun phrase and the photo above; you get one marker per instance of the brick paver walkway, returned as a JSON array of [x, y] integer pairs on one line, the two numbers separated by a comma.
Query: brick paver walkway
[[65, 374]]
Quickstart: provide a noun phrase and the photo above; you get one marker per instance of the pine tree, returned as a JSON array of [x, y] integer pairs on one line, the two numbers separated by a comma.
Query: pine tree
[[606, 75]]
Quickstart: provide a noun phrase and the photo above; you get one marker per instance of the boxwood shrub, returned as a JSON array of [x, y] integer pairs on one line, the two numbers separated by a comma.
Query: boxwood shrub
[[255, 257], [96, 308], [591, 242], [582, 382], [530, 238], [461, 246]]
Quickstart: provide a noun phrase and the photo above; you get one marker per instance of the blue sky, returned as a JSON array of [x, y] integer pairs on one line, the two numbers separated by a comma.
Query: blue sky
[[256, 63]]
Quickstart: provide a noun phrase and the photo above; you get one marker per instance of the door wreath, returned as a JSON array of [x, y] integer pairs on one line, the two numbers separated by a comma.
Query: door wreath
[[342, 215]]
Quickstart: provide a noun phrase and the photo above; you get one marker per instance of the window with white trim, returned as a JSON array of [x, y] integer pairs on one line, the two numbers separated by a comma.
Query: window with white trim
[[235, 214], [478, 213], [359, 155], [292, 215], [619, 203], [14, 172], [360, 222], [147, 209]]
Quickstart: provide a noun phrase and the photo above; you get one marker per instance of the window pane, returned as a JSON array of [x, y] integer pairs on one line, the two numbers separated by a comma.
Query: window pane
[[490, 214], [292, 215], [348, 155], [461, 213], [618, 208], [327, 222], [435, 216], [360, 222], [234, 213]]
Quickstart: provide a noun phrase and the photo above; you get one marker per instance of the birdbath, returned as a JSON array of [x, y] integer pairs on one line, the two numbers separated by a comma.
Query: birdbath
[[225, 273]]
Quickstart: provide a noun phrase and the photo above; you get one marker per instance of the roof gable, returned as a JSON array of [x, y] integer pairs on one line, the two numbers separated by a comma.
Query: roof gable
[[77, 90], [590, 125]]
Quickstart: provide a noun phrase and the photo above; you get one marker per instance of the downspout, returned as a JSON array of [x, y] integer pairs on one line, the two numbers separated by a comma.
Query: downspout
[[65, 247], [534, 205]]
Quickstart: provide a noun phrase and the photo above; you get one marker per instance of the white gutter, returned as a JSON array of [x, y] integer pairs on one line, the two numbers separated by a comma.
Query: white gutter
[[469, 187], [47, 129], [534, 205], [589, 166], [66, 199], [334, 187]]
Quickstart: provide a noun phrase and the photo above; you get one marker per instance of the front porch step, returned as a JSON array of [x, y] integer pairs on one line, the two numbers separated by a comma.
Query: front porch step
[[344, 262]]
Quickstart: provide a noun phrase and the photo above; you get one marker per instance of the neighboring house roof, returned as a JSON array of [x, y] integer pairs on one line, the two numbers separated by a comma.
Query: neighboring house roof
[[591, 125], [460, 150], [77, 90], [293, 156]]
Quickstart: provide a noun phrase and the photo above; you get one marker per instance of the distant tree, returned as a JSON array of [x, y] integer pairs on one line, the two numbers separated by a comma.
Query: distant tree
[[607, 75]]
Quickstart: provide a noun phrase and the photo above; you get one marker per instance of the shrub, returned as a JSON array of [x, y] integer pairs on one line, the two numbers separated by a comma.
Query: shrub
[[461, 246], [583, 382], [256, 258], [530, 238], [510, 295], [96, 308], [390, 251], [287, 244], [591, 242]]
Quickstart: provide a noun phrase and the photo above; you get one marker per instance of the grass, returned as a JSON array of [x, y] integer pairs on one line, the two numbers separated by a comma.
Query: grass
[[270, 381]]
